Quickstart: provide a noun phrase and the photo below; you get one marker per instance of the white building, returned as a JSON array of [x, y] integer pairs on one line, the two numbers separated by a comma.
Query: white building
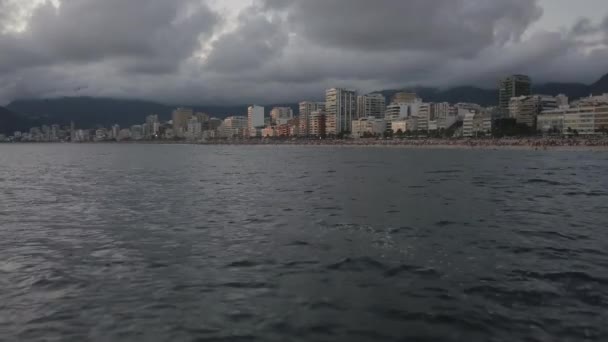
[[341, 106], [403, 111], [371, 105], [397, 111], [255, 120], [234, 127], [593, 100], [583, 119], [368, 126]]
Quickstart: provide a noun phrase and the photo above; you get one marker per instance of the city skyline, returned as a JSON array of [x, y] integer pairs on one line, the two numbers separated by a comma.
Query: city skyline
[[348, 114], [264, 51]]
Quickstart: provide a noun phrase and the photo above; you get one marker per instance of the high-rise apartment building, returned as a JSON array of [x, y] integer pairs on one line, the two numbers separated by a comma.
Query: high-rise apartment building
[[371, 105], [306, 109], [180, 117], [255, 120], [341, 108], [513, 86]]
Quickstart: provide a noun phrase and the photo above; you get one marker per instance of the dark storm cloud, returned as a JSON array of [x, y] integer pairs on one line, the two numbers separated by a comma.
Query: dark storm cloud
[[139, 35], [285, 50], [447, 26]]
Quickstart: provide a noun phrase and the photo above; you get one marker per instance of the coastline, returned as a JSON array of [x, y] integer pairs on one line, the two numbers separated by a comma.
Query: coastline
[[486, 145]]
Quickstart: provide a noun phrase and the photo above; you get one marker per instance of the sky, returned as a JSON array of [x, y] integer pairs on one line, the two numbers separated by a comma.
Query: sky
[[218, 52]]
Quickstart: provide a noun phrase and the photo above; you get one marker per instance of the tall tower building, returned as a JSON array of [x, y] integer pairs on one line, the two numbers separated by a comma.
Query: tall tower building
[[255, 119], [371, 105], [180, 117], [513, 86], [341, 109]]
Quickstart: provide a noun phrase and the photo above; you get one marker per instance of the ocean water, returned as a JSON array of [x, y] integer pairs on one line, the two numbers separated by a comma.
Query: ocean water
[[280, 243]]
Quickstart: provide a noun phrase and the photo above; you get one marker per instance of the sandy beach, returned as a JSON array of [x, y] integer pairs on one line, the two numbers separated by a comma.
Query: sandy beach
[[599, 144]]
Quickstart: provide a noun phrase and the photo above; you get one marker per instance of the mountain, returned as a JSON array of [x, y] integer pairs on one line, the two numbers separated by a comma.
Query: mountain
[[11, 122], [572, 90], [601, 86], [489, 97], [91, 111]]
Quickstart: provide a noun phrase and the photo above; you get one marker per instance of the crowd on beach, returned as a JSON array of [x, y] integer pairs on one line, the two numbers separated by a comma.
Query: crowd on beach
[[535, 143]]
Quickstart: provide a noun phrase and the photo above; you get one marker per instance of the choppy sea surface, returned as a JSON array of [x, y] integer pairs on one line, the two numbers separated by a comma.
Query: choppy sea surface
[[279, 243]]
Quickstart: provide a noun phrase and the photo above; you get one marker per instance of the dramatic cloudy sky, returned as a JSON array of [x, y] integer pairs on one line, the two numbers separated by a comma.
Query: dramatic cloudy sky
[[263, 51]]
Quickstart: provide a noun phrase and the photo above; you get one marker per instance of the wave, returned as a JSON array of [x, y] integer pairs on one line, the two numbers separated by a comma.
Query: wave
[[360, 264]]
